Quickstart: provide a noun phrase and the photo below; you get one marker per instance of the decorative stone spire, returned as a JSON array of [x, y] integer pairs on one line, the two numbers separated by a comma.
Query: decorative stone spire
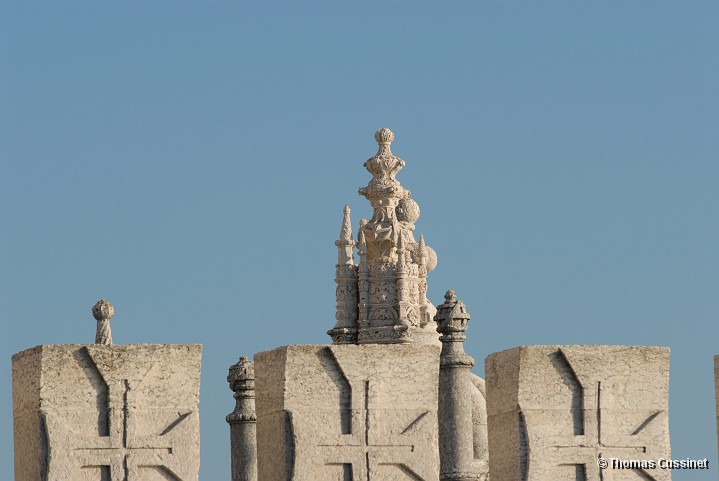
[[456, 436], [452, 318], [345, 330], [425, 316], [103, 311], [384, 167], [345, 242], [243, 420], [362, 283], [389, 303]]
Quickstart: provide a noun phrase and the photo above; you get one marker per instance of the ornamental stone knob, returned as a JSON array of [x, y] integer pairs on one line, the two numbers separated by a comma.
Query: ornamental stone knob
[[240, 373], [452, 317], [103, 311], [384, 136]]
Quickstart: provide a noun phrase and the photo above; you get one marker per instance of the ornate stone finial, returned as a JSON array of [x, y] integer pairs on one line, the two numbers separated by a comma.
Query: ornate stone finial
[[345, 243], [241, 378], [345, 330], [407, 210], [456, 435], [452, 318], [346, 231], [103, 311], [384, 136], [421, 251], [242, 421], [382, 299], [241, 372], [384, 188], [361, 240]]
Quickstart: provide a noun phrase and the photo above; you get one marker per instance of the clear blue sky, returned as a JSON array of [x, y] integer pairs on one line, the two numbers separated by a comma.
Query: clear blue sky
[[190, 161]]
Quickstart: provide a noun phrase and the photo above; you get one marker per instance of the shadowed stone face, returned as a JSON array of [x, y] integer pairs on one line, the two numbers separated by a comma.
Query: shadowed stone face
[[554, 411]]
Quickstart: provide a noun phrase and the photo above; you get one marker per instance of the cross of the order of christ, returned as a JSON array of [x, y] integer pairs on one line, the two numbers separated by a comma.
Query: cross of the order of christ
[[604, 429], [370, 446], [588, 447], [121, 449]]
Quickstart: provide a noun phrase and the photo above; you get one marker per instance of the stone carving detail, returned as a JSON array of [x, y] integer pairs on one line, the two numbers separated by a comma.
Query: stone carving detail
[[243, 434], [115, 413], [555, 410], [103, 312], [383, 299], [457, 433], [347, 297], [360, 413]]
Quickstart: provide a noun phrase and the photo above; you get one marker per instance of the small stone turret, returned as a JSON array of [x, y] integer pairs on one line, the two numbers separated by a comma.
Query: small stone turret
[[243, 421], [456, 432], [383, 300]]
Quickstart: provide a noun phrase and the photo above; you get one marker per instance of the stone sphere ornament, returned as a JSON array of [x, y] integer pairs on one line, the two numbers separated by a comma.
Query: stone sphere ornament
[[431, 258], [407, 210], [103, 310], [384, 136]]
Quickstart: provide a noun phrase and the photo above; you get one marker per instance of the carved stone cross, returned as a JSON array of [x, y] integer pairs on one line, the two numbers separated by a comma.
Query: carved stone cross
[[605, 418], [366, 448], [384, 428], [124, 448], [348, 413], [119, 457], [586, 449]]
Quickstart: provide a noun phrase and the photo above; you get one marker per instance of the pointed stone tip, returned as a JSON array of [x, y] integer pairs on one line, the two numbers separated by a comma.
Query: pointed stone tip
[[346, 231], [384, 136]]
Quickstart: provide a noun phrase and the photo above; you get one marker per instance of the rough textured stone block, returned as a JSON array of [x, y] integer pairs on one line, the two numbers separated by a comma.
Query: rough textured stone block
[[553, 411], [107, 413], [347, 413]]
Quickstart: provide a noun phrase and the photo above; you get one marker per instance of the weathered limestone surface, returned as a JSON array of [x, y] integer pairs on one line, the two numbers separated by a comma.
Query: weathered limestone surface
[[347, 413], [554, 410], [107, 412]]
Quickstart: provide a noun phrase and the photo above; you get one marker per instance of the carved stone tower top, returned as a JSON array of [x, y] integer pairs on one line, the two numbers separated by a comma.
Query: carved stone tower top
[[383, 299]]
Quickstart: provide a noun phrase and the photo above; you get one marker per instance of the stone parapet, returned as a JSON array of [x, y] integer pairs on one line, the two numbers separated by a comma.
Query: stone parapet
[[347, 412], [107, 412], [554, 411]]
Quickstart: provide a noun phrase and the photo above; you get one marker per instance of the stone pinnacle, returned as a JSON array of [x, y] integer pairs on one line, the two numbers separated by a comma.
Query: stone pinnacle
[[103, 311]]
